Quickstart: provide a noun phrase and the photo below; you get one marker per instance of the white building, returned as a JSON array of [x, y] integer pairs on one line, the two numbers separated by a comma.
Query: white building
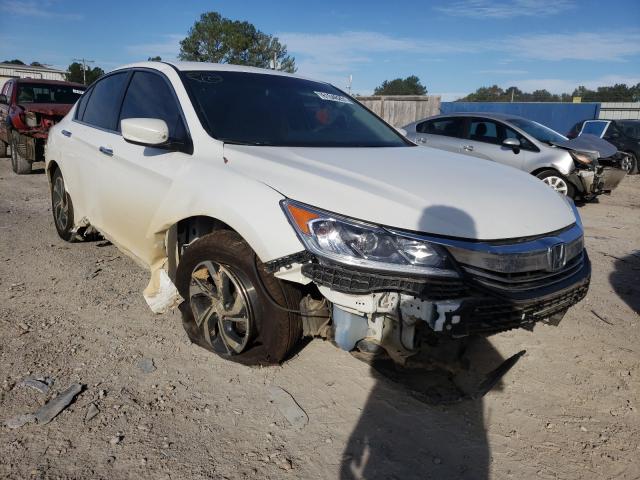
[[12, 70]]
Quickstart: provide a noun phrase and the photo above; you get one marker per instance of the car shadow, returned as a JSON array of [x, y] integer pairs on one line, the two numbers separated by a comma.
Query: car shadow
[[625, 279], [415, 423]]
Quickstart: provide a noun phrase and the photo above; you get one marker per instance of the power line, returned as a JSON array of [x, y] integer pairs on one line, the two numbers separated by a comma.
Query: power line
[[84, 68]]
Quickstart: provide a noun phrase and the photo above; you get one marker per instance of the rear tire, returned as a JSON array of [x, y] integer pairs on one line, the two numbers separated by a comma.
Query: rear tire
[[558, 182], [19, 162], [226, 309], [61, 207]]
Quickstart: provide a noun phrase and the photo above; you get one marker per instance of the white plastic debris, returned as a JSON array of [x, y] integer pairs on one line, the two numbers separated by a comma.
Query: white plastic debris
[[288, 407], [161, 294]]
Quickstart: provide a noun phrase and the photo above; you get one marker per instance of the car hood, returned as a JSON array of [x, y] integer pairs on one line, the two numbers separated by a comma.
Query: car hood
[[413, 188], [53, 109], [589, 143]]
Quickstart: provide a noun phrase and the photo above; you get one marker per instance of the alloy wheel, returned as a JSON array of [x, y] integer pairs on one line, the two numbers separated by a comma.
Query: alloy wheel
[[627, 163], [557, 183], [221, 306], [60, 204]]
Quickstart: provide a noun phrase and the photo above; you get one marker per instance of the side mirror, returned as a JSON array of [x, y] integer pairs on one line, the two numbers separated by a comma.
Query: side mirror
[[513, 144], [145, 131], [4, 99]]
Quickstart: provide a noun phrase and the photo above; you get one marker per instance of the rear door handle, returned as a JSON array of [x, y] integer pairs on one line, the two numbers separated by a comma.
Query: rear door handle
[[106, 151], [468, 148], [66, 133]]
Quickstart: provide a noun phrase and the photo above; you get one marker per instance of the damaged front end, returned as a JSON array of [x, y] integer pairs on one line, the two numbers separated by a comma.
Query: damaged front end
[[399, 292], [31, 123], [598, 165]]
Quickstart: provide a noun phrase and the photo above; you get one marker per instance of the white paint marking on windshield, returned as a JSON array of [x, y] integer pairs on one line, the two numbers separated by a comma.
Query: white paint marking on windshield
[[333, 97]]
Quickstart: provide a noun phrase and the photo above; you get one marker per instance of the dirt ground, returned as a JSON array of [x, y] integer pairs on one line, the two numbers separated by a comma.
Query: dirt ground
[[74, 312]]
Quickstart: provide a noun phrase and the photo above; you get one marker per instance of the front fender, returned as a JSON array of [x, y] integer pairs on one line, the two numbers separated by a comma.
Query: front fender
[[250, 207]]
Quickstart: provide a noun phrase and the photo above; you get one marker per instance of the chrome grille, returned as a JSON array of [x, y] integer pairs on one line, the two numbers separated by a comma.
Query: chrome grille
[[521, 281]]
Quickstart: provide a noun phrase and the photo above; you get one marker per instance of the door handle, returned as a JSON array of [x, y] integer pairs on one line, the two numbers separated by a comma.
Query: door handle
[[66, 133], [422, 140], [467, 148], [106, 151]]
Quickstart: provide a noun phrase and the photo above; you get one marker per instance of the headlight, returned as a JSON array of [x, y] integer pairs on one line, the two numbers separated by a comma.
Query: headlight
[[352, 242], [582, 158]]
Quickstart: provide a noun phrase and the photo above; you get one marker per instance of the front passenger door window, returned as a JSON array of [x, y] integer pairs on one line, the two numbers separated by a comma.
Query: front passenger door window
[[149, 96]]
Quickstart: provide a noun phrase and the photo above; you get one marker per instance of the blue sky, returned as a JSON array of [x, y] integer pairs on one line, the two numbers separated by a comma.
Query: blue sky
[[453, 46]]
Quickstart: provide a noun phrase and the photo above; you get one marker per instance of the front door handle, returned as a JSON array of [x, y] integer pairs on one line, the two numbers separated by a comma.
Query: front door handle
[[468, 148], [66, 133], [106, 151]]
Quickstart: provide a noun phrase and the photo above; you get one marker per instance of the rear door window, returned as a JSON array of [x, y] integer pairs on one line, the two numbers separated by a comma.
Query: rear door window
[[484, 130], [448, 127], [103, 105]]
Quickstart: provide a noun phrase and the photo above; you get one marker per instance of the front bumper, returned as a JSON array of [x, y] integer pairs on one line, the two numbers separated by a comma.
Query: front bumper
[[464, 306], [601, 179]]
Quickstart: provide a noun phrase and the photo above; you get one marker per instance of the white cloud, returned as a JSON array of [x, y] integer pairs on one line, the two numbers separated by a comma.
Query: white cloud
[[34, 8], [504, 9], [502, 71], [168, 47], [604, 46]]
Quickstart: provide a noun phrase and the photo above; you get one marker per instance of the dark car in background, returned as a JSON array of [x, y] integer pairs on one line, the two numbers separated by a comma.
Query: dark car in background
[[28, 109], [624, 134]]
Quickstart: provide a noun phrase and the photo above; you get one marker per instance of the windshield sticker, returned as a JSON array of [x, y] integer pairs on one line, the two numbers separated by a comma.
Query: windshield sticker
[[79, 92], [332, 97], [204, 77]]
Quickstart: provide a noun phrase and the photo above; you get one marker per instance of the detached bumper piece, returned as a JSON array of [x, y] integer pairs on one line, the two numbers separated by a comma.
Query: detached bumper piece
[[348, 280]]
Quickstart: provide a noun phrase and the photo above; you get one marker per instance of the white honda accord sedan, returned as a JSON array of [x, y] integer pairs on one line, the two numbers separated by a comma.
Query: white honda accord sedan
[[272, 207]]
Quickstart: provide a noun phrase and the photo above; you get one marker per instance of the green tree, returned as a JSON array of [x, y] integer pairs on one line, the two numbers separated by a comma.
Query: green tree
[[74, 73], [214, 38], [401, 86], [36, 64], [14, 61], [157, 58]]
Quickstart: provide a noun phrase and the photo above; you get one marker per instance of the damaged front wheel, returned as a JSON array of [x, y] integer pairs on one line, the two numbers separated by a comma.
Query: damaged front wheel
[[229, 302]]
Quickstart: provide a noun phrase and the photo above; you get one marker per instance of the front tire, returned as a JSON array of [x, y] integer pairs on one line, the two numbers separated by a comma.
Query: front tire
[[226, 309], [558, 182], [61, 207], [19, 162], [630, 164]]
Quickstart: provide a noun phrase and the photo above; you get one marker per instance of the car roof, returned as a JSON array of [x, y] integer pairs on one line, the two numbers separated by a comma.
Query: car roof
[[49, 82], [216, 67], [489, 115]]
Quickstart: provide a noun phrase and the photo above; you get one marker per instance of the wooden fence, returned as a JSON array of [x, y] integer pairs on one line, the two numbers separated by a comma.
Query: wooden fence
[[399, 110]]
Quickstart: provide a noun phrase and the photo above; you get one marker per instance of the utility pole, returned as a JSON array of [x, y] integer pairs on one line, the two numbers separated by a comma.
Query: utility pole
[[349, 84], [84, 68], [512, 90]]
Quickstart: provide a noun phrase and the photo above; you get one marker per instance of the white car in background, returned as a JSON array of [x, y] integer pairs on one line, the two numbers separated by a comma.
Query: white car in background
[[281, 208]]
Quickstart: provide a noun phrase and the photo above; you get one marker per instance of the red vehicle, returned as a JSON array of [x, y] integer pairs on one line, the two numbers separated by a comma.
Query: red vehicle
[[28, 108]]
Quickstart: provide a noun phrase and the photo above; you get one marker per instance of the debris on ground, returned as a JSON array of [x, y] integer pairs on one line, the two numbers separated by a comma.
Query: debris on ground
[[288, 407], [41, 384], [52, 408], [146, 365], [92, 411], [20, 420]]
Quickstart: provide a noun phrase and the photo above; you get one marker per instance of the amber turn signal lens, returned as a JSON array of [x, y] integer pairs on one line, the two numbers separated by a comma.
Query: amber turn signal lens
[[302, 217]]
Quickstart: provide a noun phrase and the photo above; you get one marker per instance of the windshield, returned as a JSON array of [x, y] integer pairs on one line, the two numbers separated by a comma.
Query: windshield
[[539, 132], [261, 109], [35, 93], [594, 128]]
